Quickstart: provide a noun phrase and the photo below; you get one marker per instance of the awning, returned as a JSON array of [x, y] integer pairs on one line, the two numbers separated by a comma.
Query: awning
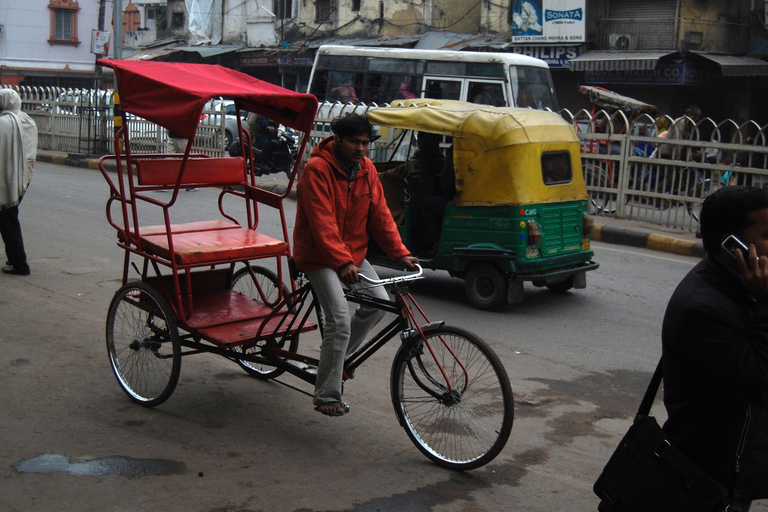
[[209, 51], [152, 53], [618, 60], [733, 65]]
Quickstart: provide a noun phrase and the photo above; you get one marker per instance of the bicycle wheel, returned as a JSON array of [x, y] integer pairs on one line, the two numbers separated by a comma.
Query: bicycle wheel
[[463, 427], [698, 190], [603, 202], [143, 344], [271, 287]]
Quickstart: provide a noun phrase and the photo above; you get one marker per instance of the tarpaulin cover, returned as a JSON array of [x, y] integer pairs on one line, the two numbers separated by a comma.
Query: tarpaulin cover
[[173, 94], [604, 98]]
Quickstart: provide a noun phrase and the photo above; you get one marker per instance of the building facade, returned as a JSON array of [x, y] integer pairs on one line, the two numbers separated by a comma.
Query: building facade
[[669, 53], [47, 43]]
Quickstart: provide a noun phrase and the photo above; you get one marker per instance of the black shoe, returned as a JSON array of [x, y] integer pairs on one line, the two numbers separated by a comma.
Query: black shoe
[[18, 270]]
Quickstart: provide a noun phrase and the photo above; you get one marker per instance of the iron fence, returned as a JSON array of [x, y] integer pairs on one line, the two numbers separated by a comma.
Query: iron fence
[[624, 177]]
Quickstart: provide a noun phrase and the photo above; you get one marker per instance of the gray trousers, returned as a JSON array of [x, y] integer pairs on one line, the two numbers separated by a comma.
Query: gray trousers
[[344, 333]]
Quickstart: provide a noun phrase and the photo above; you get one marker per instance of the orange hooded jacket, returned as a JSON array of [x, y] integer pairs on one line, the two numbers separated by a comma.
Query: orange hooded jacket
[[336, 216]]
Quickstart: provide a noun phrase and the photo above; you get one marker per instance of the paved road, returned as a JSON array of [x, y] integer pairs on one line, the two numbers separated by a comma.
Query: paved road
[[226, 442]]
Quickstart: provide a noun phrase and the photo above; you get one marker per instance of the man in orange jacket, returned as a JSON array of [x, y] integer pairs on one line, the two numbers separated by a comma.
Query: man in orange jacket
[[340, 205]]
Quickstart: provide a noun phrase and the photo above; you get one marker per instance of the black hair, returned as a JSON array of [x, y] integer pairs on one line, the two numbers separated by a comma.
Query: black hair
[[352, 125], [727, 212]]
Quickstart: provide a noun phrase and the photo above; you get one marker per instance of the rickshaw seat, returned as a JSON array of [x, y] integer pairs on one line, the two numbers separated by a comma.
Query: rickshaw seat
[[202, 171], [202, 247]]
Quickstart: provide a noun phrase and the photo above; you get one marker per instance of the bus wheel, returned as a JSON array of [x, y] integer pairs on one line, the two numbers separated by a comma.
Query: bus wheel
[[486, 286]]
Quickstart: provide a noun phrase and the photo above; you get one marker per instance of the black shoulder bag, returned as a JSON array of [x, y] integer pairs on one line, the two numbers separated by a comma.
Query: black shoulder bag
[[647, 473]]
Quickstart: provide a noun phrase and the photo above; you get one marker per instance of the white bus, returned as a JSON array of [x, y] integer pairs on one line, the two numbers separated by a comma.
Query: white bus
[[356, 74]]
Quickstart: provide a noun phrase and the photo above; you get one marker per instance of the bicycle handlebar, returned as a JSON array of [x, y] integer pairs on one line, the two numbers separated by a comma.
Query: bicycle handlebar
[[394, 280]]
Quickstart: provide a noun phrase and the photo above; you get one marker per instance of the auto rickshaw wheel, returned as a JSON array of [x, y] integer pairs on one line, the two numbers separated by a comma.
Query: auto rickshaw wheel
[[486, 286], [562, 286]]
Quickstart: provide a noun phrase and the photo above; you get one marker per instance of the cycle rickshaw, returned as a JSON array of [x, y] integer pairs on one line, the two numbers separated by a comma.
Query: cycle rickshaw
[[200, 291]]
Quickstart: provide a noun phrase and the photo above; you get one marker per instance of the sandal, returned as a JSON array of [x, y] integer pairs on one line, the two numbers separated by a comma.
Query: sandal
[[333, 408]]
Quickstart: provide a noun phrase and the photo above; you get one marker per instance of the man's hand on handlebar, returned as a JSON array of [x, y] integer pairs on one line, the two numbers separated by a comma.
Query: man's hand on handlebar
[[409, 262], [349, 274]]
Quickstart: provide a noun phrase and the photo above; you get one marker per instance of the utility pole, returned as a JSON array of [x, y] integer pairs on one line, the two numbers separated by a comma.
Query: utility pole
[[117, 29], [117, 53]]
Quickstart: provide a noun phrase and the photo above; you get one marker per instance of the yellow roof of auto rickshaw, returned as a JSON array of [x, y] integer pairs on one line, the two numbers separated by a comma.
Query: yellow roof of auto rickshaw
[[491, 127]]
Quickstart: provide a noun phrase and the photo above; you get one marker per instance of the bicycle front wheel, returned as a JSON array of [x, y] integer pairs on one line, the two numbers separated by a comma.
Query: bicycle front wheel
[[456, 405], [143, 344]]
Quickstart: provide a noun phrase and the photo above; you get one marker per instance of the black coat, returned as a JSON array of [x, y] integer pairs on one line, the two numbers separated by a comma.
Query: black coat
[[715, 353]]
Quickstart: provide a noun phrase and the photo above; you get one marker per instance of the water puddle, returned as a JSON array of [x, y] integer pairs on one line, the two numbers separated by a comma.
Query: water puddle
[[55, 463]]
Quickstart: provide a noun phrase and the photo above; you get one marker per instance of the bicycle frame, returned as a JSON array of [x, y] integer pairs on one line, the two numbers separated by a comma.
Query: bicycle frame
[[302, 302]]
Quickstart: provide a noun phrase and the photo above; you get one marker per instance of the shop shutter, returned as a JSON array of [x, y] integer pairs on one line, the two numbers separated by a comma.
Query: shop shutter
[[637, 24], [642, 10]]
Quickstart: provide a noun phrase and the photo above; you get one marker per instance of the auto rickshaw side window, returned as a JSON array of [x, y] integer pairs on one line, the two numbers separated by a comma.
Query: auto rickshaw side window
[[556, 167]]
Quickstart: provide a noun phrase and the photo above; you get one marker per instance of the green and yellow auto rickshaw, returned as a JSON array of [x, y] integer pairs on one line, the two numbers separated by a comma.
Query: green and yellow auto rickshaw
[[502, 201]]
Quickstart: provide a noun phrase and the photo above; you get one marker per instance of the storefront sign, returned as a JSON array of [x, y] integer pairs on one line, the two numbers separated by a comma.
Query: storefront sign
[[555, 56], [666, 73], [548, 21], [294, 61], [257, 61]]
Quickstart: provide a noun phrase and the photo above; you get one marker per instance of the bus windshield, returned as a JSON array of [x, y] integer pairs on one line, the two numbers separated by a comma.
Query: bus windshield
[[349, 74]]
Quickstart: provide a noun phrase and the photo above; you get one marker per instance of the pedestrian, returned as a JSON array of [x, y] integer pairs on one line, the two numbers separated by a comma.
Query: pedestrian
[[177, 144], [715, 349], [680, 130], [264, 134], [18, 151], [340, 205]]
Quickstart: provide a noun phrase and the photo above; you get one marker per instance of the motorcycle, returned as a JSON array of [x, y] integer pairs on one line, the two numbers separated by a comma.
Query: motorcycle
[[285, 149]]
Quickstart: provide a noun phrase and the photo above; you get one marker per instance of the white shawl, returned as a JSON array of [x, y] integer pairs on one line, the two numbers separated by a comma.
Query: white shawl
[[18, 146]]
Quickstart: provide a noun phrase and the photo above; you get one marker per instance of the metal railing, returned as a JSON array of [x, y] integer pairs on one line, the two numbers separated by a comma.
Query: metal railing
[[623, 176], [626, 177], [81, 121]]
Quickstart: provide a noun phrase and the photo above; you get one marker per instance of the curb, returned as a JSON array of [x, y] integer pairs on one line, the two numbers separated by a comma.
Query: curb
[[654, 241]]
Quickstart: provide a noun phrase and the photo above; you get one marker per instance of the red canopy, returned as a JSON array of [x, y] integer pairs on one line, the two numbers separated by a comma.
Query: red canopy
[[173, 94]]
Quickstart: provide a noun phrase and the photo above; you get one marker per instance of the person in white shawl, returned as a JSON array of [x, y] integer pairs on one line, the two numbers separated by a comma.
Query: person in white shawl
[[18, 151]]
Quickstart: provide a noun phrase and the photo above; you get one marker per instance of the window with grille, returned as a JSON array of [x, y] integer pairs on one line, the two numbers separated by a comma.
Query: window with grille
[[323, 11], [283, 9], [63, 22]]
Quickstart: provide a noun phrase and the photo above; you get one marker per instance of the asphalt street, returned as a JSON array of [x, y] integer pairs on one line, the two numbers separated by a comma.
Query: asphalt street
[[72, 441]]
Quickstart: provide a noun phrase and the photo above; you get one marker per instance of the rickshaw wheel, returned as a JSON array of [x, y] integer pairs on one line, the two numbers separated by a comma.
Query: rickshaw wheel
[[143, 344], [486, 286], [271, 286], [454, 401]]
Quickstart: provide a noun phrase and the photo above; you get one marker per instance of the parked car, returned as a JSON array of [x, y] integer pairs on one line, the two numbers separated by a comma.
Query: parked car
[[211, 117]]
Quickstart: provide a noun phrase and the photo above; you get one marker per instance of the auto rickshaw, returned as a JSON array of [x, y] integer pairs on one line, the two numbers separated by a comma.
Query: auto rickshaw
[[519, 210]]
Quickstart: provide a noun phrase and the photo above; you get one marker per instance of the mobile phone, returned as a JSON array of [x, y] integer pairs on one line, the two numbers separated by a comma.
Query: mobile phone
[[733, 244]]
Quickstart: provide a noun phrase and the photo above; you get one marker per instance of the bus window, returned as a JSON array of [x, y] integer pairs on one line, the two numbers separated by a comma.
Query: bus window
[[382, 75], [533, 88], [407, 89], [443, 89], [487, 93], [343, 87], [379, 89]]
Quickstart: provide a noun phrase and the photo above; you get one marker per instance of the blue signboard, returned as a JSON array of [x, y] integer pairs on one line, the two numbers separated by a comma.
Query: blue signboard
[[666, 73]]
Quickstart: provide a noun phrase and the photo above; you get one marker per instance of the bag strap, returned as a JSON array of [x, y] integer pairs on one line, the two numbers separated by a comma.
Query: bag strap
[[650, 393]]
